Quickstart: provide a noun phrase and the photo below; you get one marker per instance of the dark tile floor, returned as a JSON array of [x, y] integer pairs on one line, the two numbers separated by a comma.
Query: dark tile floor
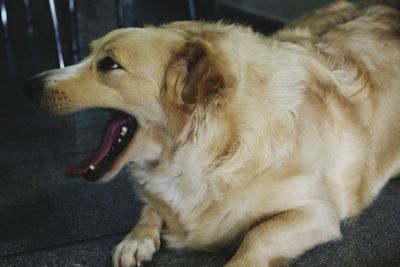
[[48, 220]]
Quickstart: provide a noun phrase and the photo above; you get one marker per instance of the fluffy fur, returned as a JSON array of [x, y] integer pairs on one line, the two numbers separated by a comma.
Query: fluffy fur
[[258, 144]]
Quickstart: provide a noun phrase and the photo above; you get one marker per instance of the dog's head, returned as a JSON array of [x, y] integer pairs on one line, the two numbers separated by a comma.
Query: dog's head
[[154, 78]]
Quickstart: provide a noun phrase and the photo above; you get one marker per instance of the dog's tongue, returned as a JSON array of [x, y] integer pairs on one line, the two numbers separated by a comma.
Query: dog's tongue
[[110, 135]]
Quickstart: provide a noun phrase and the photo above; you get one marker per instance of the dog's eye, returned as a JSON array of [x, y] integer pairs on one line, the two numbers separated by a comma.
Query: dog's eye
[[107, 64]]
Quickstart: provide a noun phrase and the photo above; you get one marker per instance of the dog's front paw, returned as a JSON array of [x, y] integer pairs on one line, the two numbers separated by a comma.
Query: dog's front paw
[[132, 252]]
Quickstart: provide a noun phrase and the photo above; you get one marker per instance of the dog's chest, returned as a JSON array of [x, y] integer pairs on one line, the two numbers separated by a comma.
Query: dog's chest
[[193, 217], [182, 195]]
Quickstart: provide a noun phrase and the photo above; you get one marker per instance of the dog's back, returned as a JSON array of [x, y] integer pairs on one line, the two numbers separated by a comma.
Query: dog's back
[[360, 45]]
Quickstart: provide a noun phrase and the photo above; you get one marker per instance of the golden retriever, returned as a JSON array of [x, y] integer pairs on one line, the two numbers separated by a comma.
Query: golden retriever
[[239, 141]]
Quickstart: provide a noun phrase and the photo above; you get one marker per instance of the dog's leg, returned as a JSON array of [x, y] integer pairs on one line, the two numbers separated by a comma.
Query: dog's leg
[[141, 243], [285, 236]]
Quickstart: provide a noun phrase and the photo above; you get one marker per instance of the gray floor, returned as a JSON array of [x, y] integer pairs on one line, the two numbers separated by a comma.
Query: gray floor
[[48, 220]]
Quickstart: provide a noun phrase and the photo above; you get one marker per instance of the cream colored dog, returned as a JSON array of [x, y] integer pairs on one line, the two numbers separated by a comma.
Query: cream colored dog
[[237, 140]]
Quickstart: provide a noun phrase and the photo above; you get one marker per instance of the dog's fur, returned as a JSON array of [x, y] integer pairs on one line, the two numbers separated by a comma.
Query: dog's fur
[[261, 144]]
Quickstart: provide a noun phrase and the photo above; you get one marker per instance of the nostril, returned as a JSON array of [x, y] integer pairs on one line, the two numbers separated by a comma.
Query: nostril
[[33, 88]]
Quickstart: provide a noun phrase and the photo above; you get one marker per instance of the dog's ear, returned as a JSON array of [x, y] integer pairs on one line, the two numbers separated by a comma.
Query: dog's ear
[[201, 73]]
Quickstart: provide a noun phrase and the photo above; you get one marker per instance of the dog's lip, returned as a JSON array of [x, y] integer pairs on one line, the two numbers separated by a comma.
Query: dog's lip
[[118, 133]]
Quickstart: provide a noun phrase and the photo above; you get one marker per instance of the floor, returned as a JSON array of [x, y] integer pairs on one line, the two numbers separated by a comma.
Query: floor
[[49, 220]]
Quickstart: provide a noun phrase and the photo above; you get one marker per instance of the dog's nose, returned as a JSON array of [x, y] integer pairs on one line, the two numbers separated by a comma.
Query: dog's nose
[[34, 88]]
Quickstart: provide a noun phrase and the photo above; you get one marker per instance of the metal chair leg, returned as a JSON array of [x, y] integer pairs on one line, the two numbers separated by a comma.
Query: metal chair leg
[[9, 59], [217, 8], [125, 15], [119, 15], [192, 10], [28, 17], [4, 18], [74, 31], [56, 33]]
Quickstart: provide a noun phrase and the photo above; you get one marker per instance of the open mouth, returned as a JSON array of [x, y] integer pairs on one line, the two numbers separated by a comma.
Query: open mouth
[[118, 132]]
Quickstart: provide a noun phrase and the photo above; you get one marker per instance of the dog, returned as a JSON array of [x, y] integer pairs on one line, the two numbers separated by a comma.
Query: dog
[[238, 141]]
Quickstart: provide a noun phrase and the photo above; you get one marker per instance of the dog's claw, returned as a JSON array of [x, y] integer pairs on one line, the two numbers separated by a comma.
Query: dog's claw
[[157, 244], [132, 252]]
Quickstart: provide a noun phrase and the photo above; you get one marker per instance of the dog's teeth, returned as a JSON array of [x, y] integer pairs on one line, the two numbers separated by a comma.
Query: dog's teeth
[[123, 133], [91, 167], [119, 140], [124, 129], [112, 148]]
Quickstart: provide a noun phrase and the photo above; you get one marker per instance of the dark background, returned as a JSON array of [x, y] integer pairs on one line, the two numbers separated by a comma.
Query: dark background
[[48, 220]]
